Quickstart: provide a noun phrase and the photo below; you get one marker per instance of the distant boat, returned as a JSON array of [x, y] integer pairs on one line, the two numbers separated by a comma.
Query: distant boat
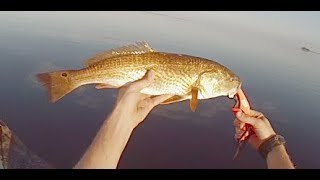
[[305, 49], [308, 50]]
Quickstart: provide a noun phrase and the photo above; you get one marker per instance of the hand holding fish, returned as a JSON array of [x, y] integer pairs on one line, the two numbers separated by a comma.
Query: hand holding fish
[[261, 127], [265, 140], [131, 108], [135, 106]]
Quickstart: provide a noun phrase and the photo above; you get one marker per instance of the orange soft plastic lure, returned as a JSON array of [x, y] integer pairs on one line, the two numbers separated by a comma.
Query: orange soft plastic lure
[[242, 104]]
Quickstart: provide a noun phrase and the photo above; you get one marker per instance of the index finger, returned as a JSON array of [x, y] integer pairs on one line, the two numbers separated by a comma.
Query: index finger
[[159, 99], [238, 123], [256, 114]]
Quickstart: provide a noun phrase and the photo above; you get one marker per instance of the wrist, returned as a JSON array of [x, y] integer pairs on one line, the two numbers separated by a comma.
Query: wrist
[[121, 119], [278, 158], [270, 144], [266, 135], [276, 149]]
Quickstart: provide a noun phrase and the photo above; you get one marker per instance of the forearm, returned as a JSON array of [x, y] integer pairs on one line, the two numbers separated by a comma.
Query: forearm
[[278, 158], [108, 145]]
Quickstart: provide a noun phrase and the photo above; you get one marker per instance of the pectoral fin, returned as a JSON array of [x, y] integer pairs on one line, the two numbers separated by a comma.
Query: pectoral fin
[[194, 99]]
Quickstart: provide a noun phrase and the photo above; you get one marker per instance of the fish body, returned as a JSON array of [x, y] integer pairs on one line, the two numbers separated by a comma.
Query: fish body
[[183, 76]]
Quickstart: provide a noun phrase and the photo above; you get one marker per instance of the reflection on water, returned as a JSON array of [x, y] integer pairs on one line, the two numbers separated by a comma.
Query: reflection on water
[[263, 48]]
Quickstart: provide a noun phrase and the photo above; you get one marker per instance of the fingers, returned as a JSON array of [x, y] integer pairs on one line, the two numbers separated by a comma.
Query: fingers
[[236, 105], [144, 96], [142, 83], [256, 114], [150, 103], [240, 133], [245, 135], [159, 99], [238, 123], [239, 128], [247, 119]]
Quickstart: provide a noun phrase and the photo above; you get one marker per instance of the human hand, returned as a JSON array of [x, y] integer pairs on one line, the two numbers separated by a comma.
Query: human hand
[[261, 126], [134, 106]]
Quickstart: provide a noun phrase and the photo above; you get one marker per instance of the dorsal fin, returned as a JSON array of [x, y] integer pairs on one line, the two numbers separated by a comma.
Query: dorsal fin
[[137, 48]]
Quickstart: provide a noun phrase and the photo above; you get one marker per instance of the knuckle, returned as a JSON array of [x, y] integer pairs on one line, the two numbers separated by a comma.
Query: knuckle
[[261, 116]]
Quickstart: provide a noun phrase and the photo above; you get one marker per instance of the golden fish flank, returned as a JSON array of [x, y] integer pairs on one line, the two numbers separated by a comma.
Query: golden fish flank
[[186, 77]]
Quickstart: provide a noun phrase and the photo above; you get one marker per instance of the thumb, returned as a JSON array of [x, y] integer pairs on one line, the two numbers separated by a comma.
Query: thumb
[[142, 83], [246, 119]]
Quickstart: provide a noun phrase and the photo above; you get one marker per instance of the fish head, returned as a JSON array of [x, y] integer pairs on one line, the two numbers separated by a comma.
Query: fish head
[[228, 85], [219, 83]]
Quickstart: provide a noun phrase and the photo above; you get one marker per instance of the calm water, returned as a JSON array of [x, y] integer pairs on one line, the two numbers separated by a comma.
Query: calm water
[[263, 48]]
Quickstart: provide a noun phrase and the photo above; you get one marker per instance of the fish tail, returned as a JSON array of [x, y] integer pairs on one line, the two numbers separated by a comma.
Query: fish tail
[[57, 83]]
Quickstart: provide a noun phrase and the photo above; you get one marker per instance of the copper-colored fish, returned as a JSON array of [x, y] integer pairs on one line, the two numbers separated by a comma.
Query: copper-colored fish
[[184, 76]]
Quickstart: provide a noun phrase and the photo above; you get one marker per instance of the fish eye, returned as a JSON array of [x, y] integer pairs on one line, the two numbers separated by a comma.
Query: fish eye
[[64, 74]]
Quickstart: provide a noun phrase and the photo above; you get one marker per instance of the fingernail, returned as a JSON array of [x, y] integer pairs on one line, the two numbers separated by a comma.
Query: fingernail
[[238, 114]]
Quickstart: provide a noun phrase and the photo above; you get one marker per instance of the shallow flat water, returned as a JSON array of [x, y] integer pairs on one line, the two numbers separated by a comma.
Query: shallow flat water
[[263, 48]]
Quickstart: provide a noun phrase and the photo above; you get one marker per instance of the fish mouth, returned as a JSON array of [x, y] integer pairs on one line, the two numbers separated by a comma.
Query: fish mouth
[[233, 91], [232, 94]]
